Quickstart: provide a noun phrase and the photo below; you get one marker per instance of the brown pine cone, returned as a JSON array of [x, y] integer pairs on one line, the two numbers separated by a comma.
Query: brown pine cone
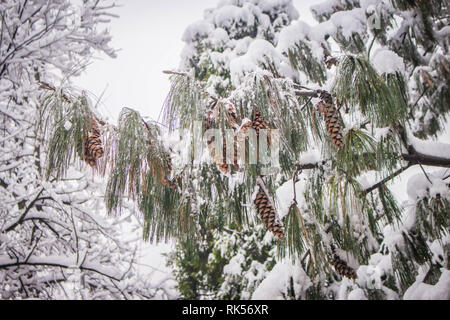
[[268, 214], [93, 149], [331, 115], [341, 266], [258, 122]]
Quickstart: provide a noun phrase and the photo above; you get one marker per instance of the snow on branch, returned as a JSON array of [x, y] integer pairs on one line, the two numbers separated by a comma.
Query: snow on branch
[[67, 262]]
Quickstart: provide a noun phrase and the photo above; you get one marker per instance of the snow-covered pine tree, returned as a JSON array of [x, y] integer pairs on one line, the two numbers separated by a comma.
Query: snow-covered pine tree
[[379, 116], [55, 242], [357, 100]]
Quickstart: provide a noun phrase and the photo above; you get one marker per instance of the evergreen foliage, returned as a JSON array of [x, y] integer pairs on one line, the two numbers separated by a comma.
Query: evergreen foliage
[[70, 122], [357, 84]]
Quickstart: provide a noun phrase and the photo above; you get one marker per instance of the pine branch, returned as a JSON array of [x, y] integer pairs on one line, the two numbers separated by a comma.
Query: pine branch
[[310, 166], [46, 86], [413, 158], [176, 73], [386, 180], [416, 158], [313, 94]]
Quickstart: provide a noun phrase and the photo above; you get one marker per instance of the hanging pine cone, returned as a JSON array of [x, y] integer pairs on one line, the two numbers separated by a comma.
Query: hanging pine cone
[[268, 214], [258, 122], [209, 123], [232, 116], [331, 115], [329, 60], [341, 266], [93, 149]]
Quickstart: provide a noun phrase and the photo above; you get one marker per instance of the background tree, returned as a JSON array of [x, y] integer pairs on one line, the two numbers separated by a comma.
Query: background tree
[[353, 98], [55, 242]]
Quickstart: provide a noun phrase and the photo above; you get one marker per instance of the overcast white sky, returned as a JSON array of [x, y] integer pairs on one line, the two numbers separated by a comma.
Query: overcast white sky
[[148, 35]]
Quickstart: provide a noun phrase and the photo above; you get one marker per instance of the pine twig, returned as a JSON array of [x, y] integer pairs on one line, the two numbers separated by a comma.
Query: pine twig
[[424, 172], [303, 93], [385, 180], [308, 253], [176, 73]]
